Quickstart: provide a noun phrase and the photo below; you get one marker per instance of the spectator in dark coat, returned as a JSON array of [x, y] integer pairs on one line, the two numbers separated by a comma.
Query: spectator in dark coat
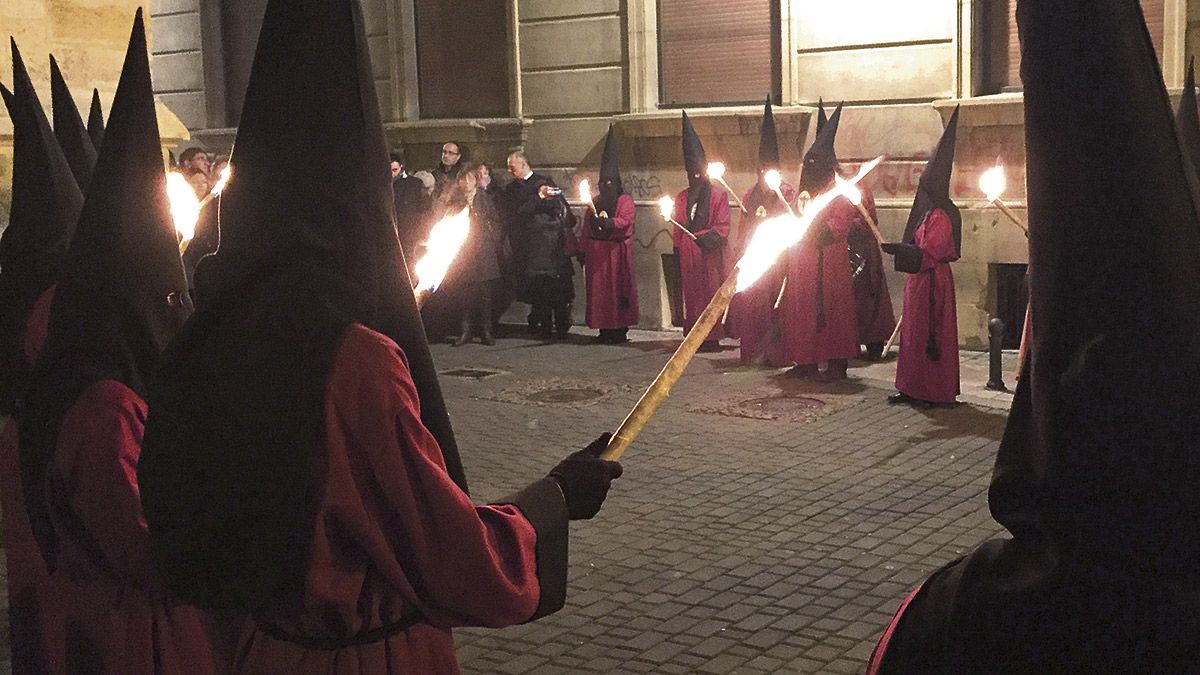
[[411, 204], [541, 228], [477, 266]]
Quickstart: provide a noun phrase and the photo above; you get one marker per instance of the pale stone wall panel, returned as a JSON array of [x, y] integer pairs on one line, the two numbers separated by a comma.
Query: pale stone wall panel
[[549, 9], [176, 32], [592, 41], [581, 92], [823, 24], [179, 72]]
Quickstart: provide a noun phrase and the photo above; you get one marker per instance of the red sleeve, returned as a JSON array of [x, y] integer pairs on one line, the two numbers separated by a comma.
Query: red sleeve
[[94, 474], [718, 216], [460, 563], [937, 241], [624, 218]]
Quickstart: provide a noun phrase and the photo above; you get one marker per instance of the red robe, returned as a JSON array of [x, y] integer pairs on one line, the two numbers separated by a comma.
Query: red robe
[[34, 608], [752, 316], [612, 300], [119, 620], [818, 310], [393, 535], [873, 301], [702, 272], [916, 374]]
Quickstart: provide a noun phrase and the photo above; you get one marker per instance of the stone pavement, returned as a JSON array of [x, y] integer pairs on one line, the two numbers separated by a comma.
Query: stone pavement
[[763, 524]]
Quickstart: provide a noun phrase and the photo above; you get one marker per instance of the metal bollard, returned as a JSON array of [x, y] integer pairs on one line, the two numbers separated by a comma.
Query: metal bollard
[[995, 353]]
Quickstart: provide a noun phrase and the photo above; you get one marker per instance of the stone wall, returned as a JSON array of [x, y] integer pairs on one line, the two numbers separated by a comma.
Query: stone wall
[[89, 39]]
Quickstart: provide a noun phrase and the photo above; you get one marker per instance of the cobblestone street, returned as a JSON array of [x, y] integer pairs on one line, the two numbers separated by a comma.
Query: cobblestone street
[[762, 525]]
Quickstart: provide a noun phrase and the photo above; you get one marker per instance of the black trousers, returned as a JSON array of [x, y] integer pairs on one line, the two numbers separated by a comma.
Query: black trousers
[[550, 297]]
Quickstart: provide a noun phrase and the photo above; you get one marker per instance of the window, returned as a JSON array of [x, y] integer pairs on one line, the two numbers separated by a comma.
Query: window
[[462, 65], [714, 52], [1001, 49]]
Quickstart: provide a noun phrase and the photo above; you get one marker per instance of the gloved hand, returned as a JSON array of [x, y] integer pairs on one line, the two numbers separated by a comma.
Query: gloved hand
[[709, 241], [585, 479]]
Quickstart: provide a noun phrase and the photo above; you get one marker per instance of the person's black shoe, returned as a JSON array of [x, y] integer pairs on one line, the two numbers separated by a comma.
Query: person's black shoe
[[463, 339], [710, 346], [874, 351], [803, 372], [487, 339], [901, 397]]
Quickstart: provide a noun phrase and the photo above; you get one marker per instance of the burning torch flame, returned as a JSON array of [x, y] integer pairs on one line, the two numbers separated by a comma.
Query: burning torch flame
[[585, 191], [445, 240], [773, 180], [222, 181], [666, 206], [185, 207], [716, 170], [993, 182], [849, 190]]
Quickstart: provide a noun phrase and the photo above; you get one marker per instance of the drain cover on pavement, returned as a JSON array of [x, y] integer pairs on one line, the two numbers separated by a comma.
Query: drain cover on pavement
[[795, 408], [472, 373]]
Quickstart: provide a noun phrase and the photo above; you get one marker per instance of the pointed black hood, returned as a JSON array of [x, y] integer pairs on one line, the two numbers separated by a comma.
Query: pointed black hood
[[302, 257], [45, 206], [768, 142], [694, 161], [70, 130], [821, 162], [933, 189], [122, 294], [9, 102], [95, 123], [822, 117], [1188, 117], [611, 187]]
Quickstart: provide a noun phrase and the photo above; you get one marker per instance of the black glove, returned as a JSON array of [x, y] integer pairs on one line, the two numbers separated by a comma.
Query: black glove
[[908, 257], [891, 249], [601, 228], [709, 241], [585, 479], [824, 236]]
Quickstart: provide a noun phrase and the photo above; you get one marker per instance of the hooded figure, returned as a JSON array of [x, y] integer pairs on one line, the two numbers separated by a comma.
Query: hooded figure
[[752, 312], [822, 116], [297, 456], [1188, 117], [70, 130], [704, 258], [817, 310], [95, 123], [928, 366], [1096, 475], [606, 241], [45, 207], [121, 297]]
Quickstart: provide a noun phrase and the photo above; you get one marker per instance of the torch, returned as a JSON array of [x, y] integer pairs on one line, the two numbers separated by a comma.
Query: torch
[[774, 182], [770, 239], [993, 183], [851, 192], [716, 171], [218, 187], [445, 241], [666, 206], [585, 194], [185, 208]]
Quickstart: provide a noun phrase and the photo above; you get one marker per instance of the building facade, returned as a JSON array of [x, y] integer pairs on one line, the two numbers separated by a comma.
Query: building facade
[[551, 75]]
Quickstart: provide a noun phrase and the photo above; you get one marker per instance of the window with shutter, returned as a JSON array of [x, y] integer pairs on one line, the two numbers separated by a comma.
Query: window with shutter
[[1001, 48], [718, 52], [462, 66]]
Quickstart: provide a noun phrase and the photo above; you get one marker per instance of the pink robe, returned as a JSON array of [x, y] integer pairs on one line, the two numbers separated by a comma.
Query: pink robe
[[818, 309], [752, 316], [34, 611], [119, 620], [873, 301], [392, 535], [916, 374], [702, 272], [612, 300]]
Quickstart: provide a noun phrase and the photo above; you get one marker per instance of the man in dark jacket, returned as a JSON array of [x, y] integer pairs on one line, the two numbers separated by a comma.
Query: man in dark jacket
[[411, 204], [540, 228]]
